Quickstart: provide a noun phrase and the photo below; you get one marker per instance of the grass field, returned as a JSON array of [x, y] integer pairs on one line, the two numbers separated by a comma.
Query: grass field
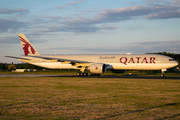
[[89, 98]]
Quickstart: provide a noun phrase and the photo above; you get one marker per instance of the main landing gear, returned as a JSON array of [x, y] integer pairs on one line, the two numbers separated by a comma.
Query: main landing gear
[[86, 74], [82, 74]]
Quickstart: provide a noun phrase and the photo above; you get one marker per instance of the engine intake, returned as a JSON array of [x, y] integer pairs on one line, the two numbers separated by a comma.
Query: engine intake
[[97, 68]]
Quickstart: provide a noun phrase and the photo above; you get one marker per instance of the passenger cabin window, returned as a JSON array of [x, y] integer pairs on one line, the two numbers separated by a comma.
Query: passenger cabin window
[[171, 60]]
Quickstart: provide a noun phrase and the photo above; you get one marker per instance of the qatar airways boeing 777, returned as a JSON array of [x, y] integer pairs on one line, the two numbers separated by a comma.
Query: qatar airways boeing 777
[[96, 64]]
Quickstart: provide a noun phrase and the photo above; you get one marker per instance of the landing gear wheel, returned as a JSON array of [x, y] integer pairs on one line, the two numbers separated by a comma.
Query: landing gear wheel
[[91, 74], [162, 75], [79, 74], [82, 74]]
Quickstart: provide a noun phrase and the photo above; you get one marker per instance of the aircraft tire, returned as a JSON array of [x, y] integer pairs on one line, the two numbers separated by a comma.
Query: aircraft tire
[[82, 74], [78, 74]]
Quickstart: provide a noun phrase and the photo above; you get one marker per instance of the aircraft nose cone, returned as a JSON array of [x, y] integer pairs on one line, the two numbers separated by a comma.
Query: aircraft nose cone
[[175, 63]]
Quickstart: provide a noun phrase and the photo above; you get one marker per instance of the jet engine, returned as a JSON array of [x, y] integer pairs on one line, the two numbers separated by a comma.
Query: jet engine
[[97, 68]]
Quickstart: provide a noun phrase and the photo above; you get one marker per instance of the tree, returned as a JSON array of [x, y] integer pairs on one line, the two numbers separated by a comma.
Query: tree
[[11, 67], [3, 66]]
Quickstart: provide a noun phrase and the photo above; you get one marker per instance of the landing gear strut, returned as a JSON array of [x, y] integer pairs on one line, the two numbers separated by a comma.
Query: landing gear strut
[[82, 69], [163, 71]]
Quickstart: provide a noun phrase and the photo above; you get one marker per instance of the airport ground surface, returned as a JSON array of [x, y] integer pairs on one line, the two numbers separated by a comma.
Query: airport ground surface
[[89, 97], [101, 76]]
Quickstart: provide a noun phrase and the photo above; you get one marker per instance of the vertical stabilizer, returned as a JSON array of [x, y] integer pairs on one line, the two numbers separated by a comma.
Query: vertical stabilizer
[[27, 46]]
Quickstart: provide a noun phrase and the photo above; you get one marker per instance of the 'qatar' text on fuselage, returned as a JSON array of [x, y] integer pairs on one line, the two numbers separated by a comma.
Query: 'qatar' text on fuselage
[[125, 60]]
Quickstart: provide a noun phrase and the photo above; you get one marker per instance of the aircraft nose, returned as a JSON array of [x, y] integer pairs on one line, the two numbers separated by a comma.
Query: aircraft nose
[[176, 63]]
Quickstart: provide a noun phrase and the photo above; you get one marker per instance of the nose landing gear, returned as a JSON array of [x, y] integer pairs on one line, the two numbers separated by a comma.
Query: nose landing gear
[[163, 71]]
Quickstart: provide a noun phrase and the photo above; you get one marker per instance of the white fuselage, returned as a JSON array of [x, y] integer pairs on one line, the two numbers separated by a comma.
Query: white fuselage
[[124, 62]]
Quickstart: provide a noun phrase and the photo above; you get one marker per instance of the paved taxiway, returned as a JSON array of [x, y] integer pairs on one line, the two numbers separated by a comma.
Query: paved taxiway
[[102, 76]]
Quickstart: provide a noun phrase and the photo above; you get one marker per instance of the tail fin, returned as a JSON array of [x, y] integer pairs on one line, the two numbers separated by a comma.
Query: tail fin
[[27, 46]]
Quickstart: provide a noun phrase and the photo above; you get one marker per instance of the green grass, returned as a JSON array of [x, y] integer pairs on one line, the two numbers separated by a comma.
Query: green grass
[[88, 98]]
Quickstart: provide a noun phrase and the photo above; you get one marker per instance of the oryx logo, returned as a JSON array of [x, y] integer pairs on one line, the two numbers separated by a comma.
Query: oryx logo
[[27, 47], [96, 67]]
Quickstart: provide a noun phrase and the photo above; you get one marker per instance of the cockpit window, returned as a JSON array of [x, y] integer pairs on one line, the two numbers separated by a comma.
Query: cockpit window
[[171, 60]]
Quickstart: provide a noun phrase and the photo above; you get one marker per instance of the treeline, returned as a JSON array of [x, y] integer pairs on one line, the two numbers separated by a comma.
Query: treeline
[[8, 67], [173, 55]]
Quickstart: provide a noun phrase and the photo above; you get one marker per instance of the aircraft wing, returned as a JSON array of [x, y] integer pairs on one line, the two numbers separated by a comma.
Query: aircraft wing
[[76, 63], [17, 57], [60, 59]]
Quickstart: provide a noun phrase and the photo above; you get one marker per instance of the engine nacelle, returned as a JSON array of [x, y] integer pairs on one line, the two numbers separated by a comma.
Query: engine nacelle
[[97, 68]]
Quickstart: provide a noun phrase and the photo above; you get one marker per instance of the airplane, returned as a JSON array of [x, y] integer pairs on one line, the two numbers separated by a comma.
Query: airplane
[[96, 64]]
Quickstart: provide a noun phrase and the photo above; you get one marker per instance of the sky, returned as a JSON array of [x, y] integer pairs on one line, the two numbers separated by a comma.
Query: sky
[[90, 26]]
